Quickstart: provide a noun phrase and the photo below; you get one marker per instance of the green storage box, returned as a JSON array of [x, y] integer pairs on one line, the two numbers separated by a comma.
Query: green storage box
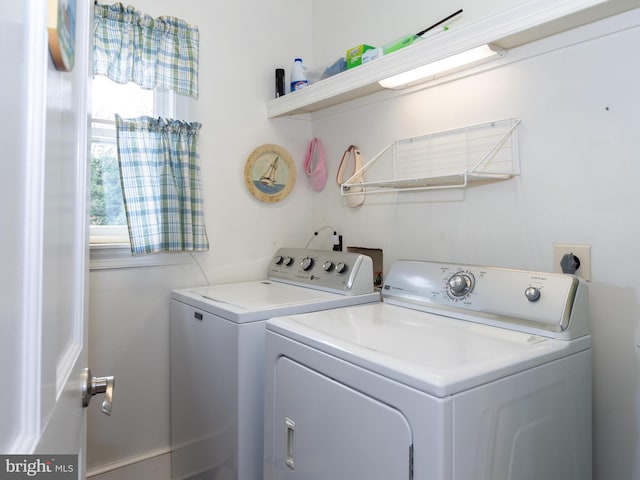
[[354, 55]]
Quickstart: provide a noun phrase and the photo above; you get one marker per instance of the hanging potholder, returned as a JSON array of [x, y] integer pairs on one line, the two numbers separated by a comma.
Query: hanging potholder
[[315, 166], [354, 194]]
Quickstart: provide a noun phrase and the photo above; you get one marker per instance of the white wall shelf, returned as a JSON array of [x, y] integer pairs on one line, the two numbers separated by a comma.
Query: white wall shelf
[[522, 24], [457, 158]]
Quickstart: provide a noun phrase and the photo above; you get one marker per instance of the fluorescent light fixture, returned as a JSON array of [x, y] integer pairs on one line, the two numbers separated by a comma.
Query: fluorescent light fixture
[[442, 67]]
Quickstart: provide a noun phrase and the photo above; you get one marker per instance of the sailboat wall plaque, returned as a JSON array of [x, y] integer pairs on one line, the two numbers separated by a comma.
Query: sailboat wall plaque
[[270, 173]]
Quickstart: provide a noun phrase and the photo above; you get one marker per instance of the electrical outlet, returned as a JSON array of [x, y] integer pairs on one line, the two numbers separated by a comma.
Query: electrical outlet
[[583, 252]]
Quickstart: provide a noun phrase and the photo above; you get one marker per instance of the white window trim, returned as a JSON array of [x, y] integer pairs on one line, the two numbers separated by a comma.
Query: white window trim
[[109, 235], [106, 256]]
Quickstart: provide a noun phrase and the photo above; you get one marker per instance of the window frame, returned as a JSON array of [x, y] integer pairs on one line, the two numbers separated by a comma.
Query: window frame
[[167, 104]]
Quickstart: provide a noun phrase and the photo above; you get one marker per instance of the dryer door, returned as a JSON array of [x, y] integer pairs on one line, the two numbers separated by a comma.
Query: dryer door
[[325, 429]]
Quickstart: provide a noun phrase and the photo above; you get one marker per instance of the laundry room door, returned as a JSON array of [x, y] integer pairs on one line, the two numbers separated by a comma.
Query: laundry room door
[[60, 261], [325, 429], [44, 248]]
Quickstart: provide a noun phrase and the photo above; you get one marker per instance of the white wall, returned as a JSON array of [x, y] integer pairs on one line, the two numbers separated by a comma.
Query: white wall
[[241, 43], [579, 108]]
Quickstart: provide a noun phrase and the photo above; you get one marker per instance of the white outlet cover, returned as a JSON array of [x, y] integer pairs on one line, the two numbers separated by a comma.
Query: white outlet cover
[[583, 252]]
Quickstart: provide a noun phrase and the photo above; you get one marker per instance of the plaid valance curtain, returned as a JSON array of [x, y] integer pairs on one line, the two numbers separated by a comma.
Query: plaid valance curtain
[[160, 174], [130, 46]]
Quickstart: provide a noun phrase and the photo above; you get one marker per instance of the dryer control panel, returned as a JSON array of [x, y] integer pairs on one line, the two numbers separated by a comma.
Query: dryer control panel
[[341, 272], [544, 303]]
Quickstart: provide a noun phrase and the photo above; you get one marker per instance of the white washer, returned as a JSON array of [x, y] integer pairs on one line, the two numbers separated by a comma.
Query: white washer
[[217, 355], [461, 373]]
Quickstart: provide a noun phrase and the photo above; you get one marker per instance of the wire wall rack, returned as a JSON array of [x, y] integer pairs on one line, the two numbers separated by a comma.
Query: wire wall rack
[[483, 153]]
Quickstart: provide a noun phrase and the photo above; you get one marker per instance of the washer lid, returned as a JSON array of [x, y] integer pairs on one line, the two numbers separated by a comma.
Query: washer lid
[[259, 300], [261, 295], [436, 354]]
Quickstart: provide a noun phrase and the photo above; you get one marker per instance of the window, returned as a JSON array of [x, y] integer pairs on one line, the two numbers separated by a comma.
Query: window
[[108, 223]]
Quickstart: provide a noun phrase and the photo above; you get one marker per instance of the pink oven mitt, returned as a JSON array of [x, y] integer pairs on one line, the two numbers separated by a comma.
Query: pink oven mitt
[[315, 166]]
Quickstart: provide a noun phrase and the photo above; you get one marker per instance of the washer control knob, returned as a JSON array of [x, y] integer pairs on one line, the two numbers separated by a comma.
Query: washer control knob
[[287, 261], [306, 263], [460, 285], [341, 267], [327, 266], [532, 294], [277, 260]]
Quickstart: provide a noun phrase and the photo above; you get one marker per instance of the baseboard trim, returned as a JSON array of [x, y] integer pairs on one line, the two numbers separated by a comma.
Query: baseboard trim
[[152, 465]]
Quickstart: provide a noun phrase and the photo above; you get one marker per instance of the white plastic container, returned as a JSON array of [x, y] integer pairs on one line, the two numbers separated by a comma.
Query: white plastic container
[[298, 78]]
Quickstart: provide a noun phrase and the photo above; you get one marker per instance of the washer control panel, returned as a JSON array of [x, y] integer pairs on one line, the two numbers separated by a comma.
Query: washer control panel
[[343, 272], [491, 295]]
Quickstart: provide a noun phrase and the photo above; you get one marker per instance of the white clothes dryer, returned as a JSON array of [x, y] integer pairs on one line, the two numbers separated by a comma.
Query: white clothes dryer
[[217, 355], [461, 373]]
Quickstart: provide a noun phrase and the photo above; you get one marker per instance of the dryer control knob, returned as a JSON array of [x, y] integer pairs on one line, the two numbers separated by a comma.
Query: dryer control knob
[[532, 294], [460, 285], [341, 267], [287, 261], [277, 260], [327, 266], [306, 263]]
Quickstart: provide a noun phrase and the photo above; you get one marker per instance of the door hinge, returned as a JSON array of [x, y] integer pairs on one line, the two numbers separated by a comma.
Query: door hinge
[[411, 462]]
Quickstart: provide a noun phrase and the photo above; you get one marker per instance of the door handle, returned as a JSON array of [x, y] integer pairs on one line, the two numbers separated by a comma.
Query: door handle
[[94, 385], [289, 459]]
